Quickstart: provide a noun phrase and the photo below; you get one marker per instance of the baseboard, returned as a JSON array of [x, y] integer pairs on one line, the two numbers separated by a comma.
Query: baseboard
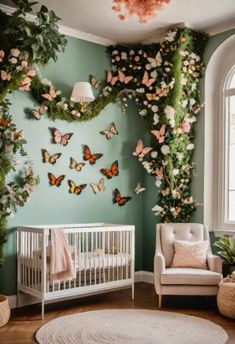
[[26, 300]]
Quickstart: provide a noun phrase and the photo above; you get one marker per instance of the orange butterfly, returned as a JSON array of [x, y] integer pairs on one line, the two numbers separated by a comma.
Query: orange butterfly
[[119, 199], [50, 158], [76, 189], [51, 95], [123, 78], [55, 181], [113, 171], [151, 96], [141, 151], [112, 79], [90, 157], [61, 139], [160, 134], [146, 81]]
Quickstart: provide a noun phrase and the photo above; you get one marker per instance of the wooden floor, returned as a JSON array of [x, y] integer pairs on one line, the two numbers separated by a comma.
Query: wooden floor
[[25, 321]]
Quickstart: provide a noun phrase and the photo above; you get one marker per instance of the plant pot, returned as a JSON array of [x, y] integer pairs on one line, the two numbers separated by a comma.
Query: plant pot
[[4, 310], [228, 269]]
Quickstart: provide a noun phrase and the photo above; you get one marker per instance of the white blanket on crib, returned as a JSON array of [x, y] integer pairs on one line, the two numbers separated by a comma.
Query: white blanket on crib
[[61, 264]]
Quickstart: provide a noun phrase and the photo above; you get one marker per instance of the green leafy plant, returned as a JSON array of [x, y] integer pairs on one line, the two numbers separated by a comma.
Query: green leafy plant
[[226, 246]]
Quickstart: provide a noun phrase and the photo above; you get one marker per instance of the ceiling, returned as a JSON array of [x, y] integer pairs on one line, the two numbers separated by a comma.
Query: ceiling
[[97, 18]]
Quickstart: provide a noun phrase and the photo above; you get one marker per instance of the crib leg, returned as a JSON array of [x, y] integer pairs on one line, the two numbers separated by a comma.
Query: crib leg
[[43, 309], [133, 291], [18, 298]]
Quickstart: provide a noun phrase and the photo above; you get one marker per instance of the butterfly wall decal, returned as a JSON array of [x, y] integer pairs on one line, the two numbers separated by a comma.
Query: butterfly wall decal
[[88, 156], [139, 189], [112, 172], [111, 79], [95, 83], [146, 80], [119, 199], [40, 112], [77, 166], [60, 139], [76, 189], [123, 78], [52, 159], [50, 95], [54, 181], [159, 134], [151, 96], [154, 62], [5, 76], [141, 151], [98, 187], [110, 132]]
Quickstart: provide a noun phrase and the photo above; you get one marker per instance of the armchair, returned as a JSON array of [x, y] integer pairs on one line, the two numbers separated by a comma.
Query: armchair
[[183, 281]]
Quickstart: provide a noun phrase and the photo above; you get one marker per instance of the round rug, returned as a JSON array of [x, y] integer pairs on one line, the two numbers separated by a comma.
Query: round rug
[[130, 327]]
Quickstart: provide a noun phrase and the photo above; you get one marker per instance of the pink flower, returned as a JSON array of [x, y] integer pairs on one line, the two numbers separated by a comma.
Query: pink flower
[[24, 63], [15, 52], [31, 72], [117, 58], [2, 54], [186, 127], [137, 58], [26, 81], [25, 87]]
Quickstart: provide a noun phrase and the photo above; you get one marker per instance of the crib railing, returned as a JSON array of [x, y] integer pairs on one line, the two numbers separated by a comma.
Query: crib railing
[[102, 255]]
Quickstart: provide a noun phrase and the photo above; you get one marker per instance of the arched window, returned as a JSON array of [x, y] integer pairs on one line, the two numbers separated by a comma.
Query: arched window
[[219, 139]]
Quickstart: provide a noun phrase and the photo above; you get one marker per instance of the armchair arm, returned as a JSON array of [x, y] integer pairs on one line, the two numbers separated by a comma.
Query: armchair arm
[[214, 263], [159, 268]]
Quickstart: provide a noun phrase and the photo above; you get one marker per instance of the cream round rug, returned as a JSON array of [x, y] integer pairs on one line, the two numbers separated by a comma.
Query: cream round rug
[[129, 326]]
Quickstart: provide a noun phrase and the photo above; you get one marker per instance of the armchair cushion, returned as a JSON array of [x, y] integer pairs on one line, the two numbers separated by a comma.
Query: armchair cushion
[[214, 263], [190, 254], [190, 276]]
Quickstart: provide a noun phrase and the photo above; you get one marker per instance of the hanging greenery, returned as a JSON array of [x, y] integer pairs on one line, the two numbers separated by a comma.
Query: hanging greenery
[[162, 78]]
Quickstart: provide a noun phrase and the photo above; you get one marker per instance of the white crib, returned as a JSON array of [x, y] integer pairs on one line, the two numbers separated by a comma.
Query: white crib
[[103, 258]]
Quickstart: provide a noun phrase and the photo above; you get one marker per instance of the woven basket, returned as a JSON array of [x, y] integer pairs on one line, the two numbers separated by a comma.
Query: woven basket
[[226, 299], [4, 310]]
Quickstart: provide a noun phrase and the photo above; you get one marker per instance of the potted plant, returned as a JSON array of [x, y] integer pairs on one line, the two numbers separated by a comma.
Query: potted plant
[[4, 310], [226, 246]]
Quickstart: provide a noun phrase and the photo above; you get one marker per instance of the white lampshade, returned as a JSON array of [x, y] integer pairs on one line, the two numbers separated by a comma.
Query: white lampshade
[[82, 93]]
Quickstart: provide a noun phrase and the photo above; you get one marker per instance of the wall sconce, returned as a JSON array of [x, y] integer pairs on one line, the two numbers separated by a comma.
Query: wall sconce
[[82, 93]]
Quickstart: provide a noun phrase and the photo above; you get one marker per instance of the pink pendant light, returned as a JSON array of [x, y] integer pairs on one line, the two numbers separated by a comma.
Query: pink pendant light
[[144, 9]]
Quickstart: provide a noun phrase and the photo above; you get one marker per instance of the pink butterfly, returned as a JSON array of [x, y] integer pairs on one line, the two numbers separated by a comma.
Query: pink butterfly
[[141, 151], [51, 95], [146, 81], [61, 139], [112, 79], [123, 78], [159, 134], [5, 75]]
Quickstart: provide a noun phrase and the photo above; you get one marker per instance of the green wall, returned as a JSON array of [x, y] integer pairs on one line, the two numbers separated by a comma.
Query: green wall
[[51, 205], [150, 197]]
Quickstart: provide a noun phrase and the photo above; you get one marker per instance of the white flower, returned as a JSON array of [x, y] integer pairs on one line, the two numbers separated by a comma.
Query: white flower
[[194, 85], [192, 101], [191, 119], [115, 52], [184, 81], [170, 36], [123, 55], [165, 149], [184, 103], [158, 182], [155, 119], [15, 52], [175, 171], [180, 156], [140, 90], [13, 60], [154, 154], [154, 108], [157, 209], [131, 52], [153, 74], [190, 146], [145, 102], [148, 66], [170, 115], [147, 166], [143, 112], [46, 82]]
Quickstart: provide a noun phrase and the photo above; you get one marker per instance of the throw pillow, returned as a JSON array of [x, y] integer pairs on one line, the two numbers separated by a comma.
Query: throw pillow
[[190, 254]]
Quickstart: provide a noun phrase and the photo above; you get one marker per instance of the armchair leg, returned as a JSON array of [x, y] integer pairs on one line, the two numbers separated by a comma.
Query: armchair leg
[[159, 301]]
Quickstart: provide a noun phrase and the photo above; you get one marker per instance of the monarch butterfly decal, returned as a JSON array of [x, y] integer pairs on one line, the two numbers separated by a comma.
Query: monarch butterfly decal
[[112, 172], [55, 181], [52, 159], [110, 132], [88, 156], [95, 83], [77, 166], [119, 199], [60, 139], [76, 189]]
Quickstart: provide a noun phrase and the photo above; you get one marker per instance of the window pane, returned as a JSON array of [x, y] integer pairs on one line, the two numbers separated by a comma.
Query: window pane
[[232, 82], [232, 167], [231, 205]]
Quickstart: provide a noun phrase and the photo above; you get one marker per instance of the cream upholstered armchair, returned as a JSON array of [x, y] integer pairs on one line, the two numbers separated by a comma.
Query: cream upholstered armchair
[[183, 281]]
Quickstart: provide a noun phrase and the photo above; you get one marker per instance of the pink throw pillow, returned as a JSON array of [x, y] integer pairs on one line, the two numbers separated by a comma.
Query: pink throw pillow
[[190, 254]]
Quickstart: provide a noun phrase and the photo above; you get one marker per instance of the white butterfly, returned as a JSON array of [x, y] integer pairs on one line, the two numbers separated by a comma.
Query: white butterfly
[[139, 189], [154, 62], [98, 187]]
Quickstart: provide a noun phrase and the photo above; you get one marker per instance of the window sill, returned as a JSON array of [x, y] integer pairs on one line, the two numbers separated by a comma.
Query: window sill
[[221, 232]]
